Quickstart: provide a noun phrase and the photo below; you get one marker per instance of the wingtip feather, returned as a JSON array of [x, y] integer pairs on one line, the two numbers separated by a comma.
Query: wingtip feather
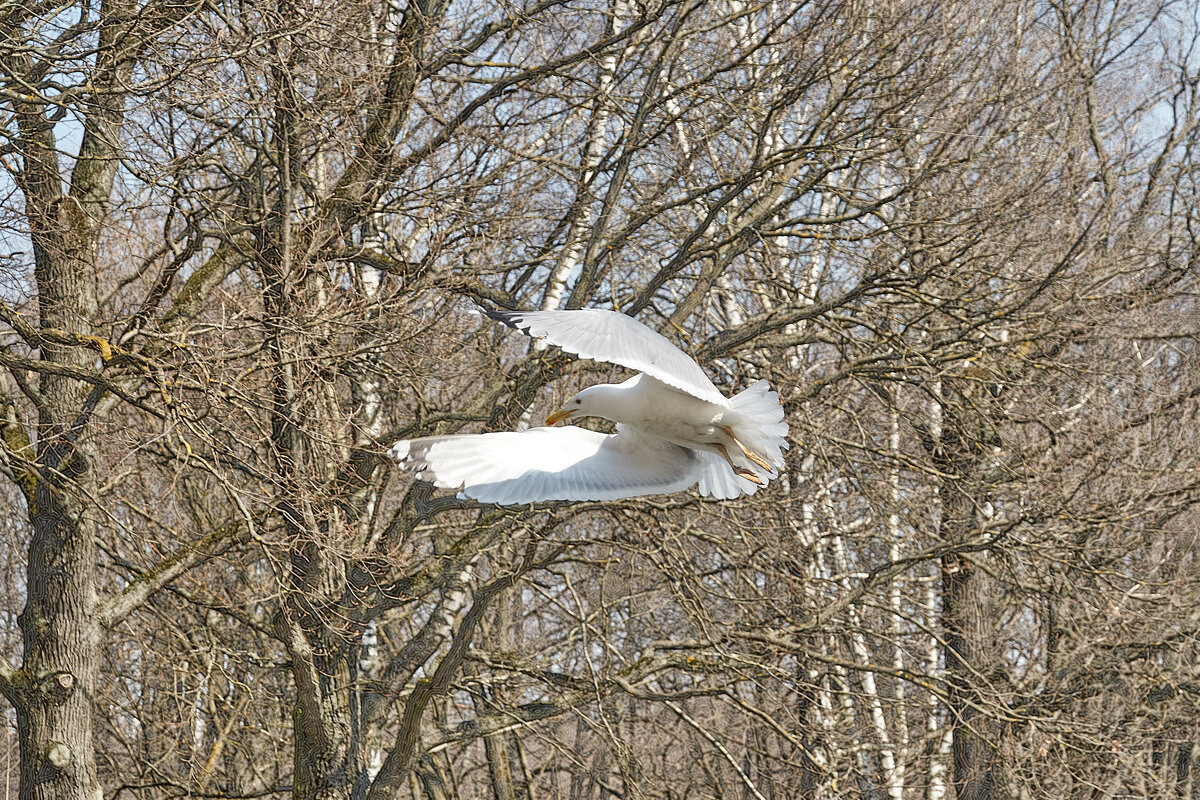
[[512, 319]]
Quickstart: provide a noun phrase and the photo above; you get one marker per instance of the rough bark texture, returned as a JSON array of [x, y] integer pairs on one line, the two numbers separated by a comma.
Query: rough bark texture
[[59, 623]]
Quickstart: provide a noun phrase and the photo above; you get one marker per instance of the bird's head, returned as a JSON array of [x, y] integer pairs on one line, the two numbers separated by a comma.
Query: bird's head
[[591, 402]]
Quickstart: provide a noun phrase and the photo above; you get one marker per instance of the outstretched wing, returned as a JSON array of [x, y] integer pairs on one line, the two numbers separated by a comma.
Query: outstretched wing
[[568, 463], [608, 336]]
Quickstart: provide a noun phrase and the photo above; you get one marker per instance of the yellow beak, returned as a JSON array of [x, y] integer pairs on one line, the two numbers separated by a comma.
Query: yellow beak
[[558, 416]]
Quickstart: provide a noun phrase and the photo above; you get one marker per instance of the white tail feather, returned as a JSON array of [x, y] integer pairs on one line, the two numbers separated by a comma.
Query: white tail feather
[[756, 417]]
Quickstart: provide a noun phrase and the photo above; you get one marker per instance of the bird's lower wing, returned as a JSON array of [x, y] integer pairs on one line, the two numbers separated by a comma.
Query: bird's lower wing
[[568, 463]]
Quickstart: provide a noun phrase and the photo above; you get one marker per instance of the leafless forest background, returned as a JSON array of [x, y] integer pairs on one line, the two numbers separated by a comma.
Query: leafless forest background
[[240, 244]]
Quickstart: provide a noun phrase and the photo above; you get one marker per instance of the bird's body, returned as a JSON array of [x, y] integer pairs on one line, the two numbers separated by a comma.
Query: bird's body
[[674, 428], [638, 403]]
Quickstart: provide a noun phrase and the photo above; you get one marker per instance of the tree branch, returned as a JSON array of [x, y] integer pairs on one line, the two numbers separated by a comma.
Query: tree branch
[[117, 607]]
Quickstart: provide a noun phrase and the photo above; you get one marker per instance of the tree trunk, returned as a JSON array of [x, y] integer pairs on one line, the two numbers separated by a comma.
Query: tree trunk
[[53, 691], [329, 758], [61, 654], [968, 629], [975, 735]]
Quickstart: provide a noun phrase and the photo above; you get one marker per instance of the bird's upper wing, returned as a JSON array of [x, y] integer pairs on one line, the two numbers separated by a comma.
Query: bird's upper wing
[[608, 336], [568, 463]]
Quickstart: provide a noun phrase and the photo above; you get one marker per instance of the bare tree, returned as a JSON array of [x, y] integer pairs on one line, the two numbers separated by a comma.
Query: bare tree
[[242, 244]]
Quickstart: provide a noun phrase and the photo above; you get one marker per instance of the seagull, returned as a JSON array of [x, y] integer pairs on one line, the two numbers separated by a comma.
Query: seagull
[[674, 428]]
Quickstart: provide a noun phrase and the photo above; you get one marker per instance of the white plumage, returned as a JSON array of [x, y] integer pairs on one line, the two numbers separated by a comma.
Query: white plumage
[[674, 428]]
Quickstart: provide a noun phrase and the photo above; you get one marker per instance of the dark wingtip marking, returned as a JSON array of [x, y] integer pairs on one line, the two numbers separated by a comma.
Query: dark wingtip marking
[[512, 319]]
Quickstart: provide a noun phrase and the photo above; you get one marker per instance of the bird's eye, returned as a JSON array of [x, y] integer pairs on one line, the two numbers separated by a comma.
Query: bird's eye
[[578, 401]]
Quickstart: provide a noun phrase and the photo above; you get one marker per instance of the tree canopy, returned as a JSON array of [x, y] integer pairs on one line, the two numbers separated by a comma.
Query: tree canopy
[[240, 246]]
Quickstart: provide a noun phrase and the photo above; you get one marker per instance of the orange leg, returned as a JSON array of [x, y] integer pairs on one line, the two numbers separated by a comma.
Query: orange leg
[[755, 457], [740, 471]]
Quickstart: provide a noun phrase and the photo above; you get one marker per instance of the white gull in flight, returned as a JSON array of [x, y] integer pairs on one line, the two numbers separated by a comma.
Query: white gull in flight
[[674, 429]]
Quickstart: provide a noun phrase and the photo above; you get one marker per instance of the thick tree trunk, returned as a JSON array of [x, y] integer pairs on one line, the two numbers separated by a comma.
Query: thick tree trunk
[[58, 678], [54, 689], [328, 758]]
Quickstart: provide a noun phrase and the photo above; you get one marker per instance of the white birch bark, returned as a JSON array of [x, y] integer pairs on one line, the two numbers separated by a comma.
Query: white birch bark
[[862, 654], [807, 532], [593, 152], [938, 782], [894, 594]]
